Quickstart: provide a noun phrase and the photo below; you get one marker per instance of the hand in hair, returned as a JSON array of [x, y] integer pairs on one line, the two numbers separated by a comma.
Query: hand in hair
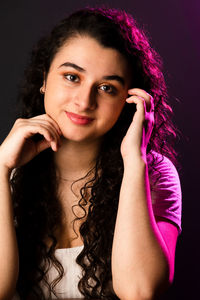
[[138, 135], [19, 147]]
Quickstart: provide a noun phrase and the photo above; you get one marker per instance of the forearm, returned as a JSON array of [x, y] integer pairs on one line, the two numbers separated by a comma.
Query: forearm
[[8, 244], [139, 264]]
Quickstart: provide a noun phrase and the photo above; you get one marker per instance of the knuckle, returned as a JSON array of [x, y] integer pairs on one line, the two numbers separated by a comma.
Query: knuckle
[[19, 120], [18, 123]]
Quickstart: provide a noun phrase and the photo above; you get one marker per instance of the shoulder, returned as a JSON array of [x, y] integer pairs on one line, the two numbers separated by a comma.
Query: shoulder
[[162, 170], [165, 188]]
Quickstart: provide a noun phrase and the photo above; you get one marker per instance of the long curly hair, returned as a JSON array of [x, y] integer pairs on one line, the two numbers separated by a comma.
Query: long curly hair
[[35, 185]]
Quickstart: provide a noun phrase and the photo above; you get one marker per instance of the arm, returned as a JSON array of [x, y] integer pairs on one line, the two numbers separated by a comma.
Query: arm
[[143, 250], [142, 265], [16, 150], [9, 262]]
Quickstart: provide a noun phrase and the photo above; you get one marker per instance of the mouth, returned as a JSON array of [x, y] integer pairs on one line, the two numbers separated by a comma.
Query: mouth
[[78, 119]]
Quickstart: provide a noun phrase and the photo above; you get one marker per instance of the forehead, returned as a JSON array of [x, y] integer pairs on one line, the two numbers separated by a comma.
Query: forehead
[[92, 56]]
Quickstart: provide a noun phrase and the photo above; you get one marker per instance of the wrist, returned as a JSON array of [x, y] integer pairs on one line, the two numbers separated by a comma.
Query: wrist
[[135, 168], [137, 159]]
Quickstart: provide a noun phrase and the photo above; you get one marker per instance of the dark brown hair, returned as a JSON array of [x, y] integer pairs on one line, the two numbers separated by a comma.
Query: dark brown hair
[[37, 210]]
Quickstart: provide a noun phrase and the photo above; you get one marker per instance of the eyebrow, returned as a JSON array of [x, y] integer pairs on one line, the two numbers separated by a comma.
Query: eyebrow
[[118, 78], [69, 64]]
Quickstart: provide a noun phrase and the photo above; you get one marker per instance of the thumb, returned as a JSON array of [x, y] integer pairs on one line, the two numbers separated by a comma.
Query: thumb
[[42, 145]]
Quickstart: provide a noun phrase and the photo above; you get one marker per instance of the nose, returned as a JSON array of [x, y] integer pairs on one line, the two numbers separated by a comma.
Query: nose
[[85, 98]]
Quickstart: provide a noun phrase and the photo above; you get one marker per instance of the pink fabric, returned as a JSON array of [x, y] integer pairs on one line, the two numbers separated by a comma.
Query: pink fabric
[[166, 192]]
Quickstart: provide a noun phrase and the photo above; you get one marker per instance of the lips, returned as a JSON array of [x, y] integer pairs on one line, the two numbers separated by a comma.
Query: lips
[[78, 119]]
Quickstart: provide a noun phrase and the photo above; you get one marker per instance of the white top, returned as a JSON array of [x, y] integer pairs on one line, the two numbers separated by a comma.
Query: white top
[[67, 287], [166, 202]]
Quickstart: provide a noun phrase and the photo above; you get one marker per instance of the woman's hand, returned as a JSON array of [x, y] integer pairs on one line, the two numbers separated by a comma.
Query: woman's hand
[[19, 148], [138, 135]]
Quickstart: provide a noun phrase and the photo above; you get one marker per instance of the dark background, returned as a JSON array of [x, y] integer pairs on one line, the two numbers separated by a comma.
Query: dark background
[[174, 28]]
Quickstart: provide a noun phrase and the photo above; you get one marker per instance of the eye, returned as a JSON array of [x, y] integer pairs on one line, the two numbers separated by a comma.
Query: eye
[[72, 77], [108, 89]]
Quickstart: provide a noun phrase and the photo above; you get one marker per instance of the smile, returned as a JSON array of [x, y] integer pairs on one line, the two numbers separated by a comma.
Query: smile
[[78, 119]]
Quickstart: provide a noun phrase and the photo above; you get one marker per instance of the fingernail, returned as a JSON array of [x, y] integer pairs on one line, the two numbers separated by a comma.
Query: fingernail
[[54, 146]]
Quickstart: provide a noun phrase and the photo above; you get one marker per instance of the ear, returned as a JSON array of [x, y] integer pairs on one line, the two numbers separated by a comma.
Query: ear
[[43, 87]]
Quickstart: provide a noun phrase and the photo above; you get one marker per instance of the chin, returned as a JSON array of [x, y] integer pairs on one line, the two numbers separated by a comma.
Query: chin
[[79, 138]]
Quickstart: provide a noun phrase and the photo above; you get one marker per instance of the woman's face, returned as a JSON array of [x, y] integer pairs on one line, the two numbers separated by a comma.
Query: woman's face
[[86, 88]]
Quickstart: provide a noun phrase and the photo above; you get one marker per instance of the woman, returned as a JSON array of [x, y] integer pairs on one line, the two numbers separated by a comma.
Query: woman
[[96, 200]]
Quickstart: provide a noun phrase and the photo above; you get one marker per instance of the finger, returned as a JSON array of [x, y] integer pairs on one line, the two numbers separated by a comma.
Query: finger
[[140, 106], [139, 101], [52, 129], [33, 126], [147, 97], [55, 137], [49, 126], [45, 120], [32, 129], [54, 122], [46, 117], [42, 145]]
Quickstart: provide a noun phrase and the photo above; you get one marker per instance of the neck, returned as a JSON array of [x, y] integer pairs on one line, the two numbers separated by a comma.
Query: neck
[[74, 159]]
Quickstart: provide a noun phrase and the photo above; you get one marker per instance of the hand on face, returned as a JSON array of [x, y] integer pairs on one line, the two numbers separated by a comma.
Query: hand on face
[[19, 148], [138, 135]]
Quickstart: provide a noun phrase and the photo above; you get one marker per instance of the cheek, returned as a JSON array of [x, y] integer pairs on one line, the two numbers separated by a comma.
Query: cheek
[[112, 112], [55, 92], [117, 107], [48, 103], [54, 100]]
